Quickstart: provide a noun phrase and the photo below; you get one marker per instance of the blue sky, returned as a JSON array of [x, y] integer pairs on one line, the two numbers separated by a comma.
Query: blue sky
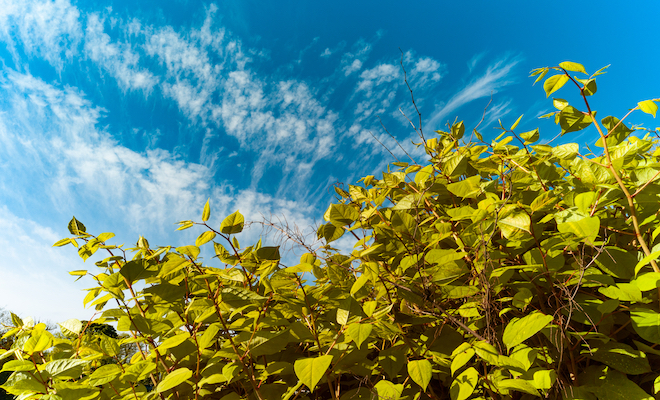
[[130, 114]]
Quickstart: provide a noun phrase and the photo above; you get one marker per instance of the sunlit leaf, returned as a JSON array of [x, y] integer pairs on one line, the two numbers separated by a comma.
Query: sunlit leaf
[[311, 370]]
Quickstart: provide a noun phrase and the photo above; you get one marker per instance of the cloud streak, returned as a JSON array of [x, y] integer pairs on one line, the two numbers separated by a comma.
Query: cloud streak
[[497, 76]]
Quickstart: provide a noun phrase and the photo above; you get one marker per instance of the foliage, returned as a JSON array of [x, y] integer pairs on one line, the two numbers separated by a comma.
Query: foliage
[[493, 271]]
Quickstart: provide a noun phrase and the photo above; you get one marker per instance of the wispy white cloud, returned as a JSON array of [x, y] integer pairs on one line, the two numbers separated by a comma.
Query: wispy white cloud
[[497, 111], [352, 61], [328, 51], [353, 67], [472, 64], [119, 59], [49, 29], [497, 76]]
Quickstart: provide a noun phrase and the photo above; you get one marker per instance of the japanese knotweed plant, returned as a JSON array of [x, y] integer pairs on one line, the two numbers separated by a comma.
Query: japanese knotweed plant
[[507, 270]]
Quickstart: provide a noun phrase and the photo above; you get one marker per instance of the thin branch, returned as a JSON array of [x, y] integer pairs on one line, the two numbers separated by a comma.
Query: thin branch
[[412, 97], [393, 138], [381, 143]]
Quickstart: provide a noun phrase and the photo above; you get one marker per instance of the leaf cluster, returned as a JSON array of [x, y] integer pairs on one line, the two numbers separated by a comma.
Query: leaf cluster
[[507, 269]]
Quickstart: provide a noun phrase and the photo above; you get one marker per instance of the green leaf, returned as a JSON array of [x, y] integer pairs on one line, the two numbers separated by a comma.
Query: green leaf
[[62, 242], [359, 332], [647, 324], [18, 365], [311, 370], [617, 131], [559, 104], [519, 385], [623, 292], [572, 120], [585, 228], [66, 368], [461, 359], [648, 106], [554, 83], [341, 214], [174, 379], [420, 372], [205, 237], [330, 232], [387, 390], [590, 87], [39, 340], [104, 374], [76, 227], [515, 225], [520, 329], [530, 136], [209, 335], [566, 151], [572, 66], [233, 223], [515, 124], [206, 213], [647, 281], [608, 384], [646, 260], [467, 188], [173, 341], [392, 360], [463, 385], [621, 357], [105, 236], [71, 327]]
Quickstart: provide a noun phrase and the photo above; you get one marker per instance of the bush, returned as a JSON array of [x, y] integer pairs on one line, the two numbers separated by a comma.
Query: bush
[[497, 270]]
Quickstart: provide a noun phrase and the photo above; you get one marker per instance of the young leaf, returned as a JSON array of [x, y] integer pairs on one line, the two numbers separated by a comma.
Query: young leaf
[[554, 83], [647, 324], [206, 213], [62, 242], [18, 365], [648, 106], [205, 237], [463, 385], [520, 329], [359, 333], [76, 227], [420, 372], [311, 370], [572, 66], [233, 223], [388, 390], [515, 124], [174, 379]]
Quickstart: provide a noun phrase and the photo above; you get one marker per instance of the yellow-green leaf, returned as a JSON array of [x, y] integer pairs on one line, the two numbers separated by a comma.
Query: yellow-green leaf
[[514, 225], [463, 385], [554, 83], [388, 390], [311, 370], [207, 211], [420, 372], [174, 379], [520, 329], [359, 333], [233, 223], [572, 66], [40, 340], [515, 124], [62, 242], [205, 237], [648, 106], [18, 365]]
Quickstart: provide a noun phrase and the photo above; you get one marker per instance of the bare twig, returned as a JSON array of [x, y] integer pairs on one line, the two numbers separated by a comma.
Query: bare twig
[[412, 97], [393, 138]]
